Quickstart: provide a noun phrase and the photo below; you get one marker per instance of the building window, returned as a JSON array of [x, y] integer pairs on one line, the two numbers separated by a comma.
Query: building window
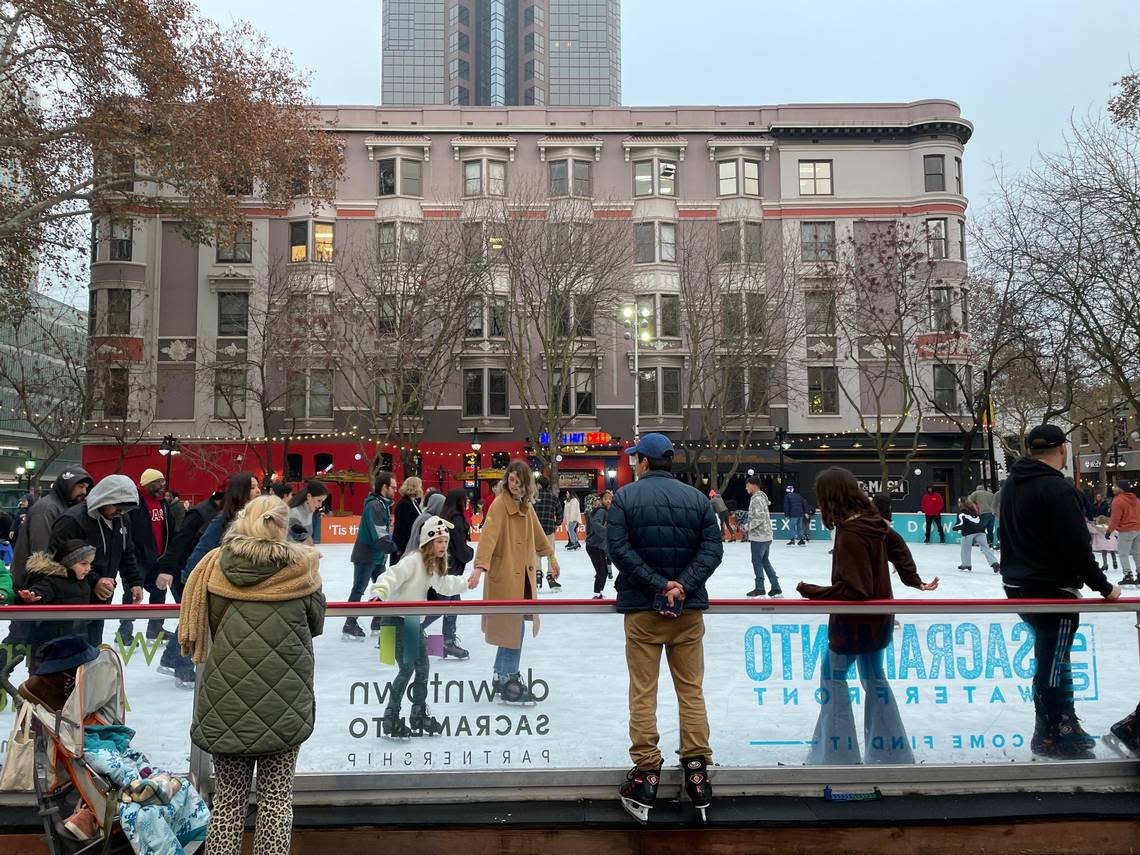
[[728, 242], [116, 391], [941, 318], [753, 243], [958, 175], [474, 172], [751, 177], [498, 316], [962, 240], [411, 177], [579, 398], [308, 394], [936, 238], [743, 314], [534, 43], [823, 390], [92, 304], [534, 16], [298, 242], [233, 313], [472, 177], [118, 311], [234, 245], [965, 309], [398, 240], [121, 240], [535, 69], [746, 390], [475, 326], [815, 178], [946, 388], [387, 315], [485, 393], [819, 313], [229, 394], [655, 242], [659, 392], [817, 241], [323, 243], [386, 241], [669, 316], [559, 178], [655, 176], [726, 178], [387, 176], [571, 178], [934, 172]]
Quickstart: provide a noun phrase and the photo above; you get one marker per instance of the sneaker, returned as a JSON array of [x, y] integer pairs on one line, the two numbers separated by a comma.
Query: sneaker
[[125, 634], [1125, 732], [82, 824], [755, 592], [777, 595]]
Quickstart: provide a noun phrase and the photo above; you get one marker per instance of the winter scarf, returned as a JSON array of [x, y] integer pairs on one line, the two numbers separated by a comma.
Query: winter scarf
[[298, 577]]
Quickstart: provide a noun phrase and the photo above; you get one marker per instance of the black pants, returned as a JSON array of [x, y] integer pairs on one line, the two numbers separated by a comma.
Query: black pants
[[601, 563], [156, 596], [937, 520], [1052, 645]]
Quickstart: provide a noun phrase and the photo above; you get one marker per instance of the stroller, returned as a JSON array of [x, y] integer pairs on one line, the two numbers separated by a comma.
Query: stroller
[[64, 775]]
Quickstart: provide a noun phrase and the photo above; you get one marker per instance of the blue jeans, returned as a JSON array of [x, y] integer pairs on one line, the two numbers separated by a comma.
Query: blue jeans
[[507, 658], [835, 741], [761, 565], [362, 574], [448, 619], [796, 528], [572, 534]]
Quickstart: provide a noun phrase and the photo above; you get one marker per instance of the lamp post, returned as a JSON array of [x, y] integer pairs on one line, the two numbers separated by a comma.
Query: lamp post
[[475, 446], [781, 447], [611, 474], [20, 476], [168, 449], [636, 323]]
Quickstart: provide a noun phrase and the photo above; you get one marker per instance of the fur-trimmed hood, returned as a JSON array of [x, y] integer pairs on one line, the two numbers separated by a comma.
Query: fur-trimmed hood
[[247, 560], [44, 565]]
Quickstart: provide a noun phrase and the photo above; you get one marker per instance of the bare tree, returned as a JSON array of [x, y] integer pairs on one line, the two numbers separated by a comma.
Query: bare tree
[[561, 265], [739, 320]]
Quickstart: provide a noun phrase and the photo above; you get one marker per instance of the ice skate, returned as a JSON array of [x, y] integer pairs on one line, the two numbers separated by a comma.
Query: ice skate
[[755, 592], [598, 597], [1123, 737], [168, 664], [965, 569], [995, 567], [639, 793], [1059, 736], [777, 595], [555, 588], [695, 784], [1129, 578], [184, 678], [422, 724], [352, 632], [125, 634], [512, 690], [451, 648], [394, 726], [803, 543]]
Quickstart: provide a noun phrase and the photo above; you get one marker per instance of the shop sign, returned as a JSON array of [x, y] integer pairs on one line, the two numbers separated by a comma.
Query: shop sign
[[895, 486], [594, 437], [578, 479]]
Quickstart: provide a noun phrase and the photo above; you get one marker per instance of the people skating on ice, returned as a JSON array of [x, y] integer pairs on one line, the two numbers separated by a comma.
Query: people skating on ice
[[510, 544], [865, 546], [549, 511], [454, 510], [933, 505], [972, 528], [760, 539], [665, 541], [1125, 523], [1047, 554], [796, 508], [369, 557], [597, 542], [409, 580], [571, 518], [1103, 544]]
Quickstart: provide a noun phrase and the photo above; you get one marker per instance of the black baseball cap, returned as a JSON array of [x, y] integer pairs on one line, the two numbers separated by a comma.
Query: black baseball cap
[[1044, 437]]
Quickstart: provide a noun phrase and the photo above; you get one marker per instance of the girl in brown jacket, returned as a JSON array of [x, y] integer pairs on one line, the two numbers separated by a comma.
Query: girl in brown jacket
[[864, 544], [508, 543]]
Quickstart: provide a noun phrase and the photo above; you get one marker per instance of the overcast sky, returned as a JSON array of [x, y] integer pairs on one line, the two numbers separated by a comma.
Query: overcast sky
[[1019, 69]]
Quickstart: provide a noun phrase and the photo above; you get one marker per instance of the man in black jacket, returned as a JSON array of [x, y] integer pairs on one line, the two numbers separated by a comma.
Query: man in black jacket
[[169, 577], [151, 529], [666, 542], [548, 509], [1047, 554], [98, 520]]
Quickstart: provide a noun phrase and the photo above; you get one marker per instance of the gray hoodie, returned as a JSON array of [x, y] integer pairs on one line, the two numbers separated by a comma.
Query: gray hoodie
[[431, 509], [112, 490]]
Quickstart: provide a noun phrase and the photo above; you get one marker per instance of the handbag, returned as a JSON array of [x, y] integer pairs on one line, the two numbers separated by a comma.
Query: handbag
[[16, 775]]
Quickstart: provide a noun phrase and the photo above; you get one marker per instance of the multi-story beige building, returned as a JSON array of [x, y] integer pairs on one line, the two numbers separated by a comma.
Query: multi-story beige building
[[180, 330]]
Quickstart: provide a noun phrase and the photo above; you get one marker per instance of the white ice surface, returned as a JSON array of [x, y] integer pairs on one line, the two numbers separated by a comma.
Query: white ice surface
[[583, 720]]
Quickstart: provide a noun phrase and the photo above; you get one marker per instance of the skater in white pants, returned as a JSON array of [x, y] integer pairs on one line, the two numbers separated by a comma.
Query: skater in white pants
[[1125, 522], [973, 531]]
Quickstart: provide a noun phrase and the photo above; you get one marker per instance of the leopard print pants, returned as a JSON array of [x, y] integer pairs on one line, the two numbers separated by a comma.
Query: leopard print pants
[[233, 776]]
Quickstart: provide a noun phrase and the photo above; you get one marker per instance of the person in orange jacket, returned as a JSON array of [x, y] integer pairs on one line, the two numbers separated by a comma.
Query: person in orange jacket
[[1125, 521]]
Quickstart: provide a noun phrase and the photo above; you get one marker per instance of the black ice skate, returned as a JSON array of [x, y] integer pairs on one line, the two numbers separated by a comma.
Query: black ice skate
[[555, 588], [1128, 579], [168, 664], [1059, 736], [1123, 737], [695, 784], [422, 724], [394, 726], [639, 792], [451, 648], [512, 690], [352, 631], [184, 678]]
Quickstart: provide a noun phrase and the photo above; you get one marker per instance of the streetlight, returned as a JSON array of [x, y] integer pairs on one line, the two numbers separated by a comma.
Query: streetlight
[[781, 446], [636, 323], [168, 449], [20, 476], [611, 474]]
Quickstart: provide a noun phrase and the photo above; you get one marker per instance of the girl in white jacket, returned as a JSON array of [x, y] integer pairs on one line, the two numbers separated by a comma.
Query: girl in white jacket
[[408, 581]]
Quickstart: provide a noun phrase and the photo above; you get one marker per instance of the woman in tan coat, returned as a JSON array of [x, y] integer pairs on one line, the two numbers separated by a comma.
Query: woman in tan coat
[[508, 543]]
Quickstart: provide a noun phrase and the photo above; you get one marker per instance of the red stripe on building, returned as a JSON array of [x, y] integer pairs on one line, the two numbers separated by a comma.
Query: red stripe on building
[[701, 214], [353, 212], [430, 214], [613, 215], [869, 210]]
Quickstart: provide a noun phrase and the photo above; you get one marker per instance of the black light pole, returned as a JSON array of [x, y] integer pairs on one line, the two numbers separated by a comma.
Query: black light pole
[[168, 449], [988, 422], [780, 434]]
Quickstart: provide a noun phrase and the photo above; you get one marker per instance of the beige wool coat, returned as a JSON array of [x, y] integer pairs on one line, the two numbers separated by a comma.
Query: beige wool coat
[[508, 542]]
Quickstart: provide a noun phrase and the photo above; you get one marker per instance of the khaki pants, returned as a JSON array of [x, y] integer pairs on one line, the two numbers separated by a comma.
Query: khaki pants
[[646, 633]]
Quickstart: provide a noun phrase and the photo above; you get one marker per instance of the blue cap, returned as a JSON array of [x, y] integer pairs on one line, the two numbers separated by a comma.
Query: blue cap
[[655, 446]]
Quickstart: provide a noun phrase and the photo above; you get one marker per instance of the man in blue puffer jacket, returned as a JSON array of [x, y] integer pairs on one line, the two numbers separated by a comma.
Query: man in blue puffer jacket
[[666, 542]]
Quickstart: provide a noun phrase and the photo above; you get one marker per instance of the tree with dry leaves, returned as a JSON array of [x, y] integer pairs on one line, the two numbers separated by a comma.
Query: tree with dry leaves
[[103, 103]]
